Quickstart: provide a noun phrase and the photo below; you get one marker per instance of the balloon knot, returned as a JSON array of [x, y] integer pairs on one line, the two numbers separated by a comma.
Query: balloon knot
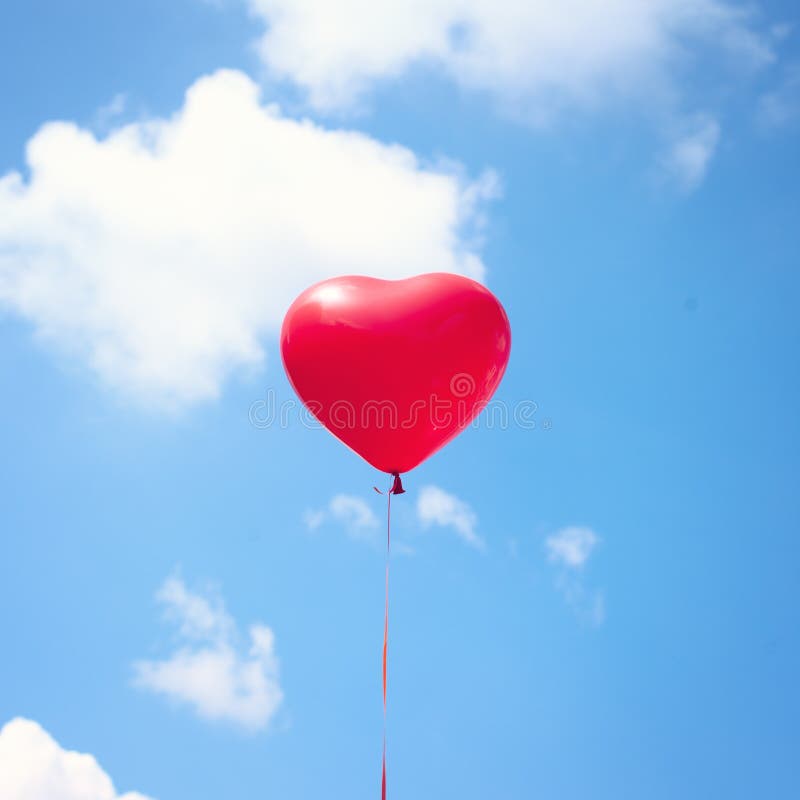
[[397, 486]]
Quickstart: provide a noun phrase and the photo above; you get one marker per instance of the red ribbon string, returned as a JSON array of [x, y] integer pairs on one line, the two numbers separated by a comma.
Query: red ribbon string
[[397, 488], [386, 630]]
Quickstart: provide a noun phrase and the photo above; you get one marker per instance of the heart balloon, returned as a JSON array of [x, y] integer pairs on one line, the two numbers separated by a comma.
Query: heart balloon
[[396, 369]]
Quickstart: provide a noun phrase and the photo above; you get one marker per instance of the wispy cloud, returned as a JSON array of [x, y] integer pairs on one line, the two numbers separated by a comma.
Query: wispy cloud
[[538, 57], [107, 114], [569, 551], [434, 507], [33, 766], [437, 507], [688, 157], [571, 547], [781, 106], [352, 513], [210, 670]]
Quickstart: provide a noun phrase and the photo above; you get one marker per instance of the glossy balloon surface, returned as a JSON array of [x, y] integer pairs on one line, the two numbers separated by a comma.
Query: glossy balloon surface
[[396, 369]]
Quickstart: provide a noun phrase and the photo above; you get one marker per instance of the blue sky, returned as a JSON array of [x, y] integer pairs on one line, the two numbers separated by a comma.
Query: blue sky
[[626, 184]]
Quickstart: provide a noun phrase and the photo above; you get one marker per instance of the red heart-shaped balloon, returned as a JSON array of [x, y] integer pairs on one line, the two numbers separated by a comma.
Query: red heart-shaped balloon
[[396, 369]]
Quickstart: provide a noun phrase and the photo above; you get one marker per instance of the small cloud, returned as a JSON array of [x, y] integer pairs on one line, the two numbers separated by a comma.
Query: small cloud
[[569, 550], [112, 109], [196, 616], [33, 766], [210, 671], [571, 547], [437, 507], [313, 519], [781, 107], [357, 518], [687, 160]]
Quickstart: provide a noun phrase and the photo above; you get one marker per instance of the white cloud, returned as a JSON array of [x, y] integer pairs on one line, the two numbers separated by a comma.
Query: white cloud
[[210, 671], [537, 55], [162, 254], [353, 512], [437, 507], [571, 547], [33, 766], [690, 154], [357, 518], [196, 616]]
